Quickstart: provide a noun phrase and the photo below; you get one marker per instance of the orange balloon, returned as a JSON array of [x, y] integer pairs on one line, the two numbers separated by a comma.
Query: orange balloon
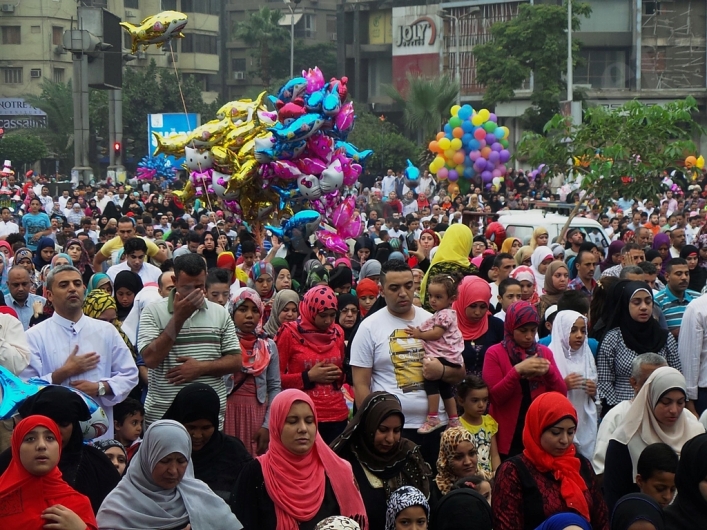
[[440, 135], [485, 152], [690, 161], [458, 157], [434, 146], [457, 132]]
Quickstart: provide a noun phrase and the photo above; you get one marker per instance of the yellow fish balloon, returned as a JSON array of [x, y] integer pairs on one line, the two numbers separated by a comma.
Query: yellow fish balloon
[[156, 29], [171, 145], [210, 133]]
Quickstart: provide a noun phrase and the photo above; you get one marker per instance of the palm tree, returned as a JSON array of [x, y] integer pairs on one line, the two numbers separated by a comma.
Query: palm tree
[[426, 103], [262, 32]]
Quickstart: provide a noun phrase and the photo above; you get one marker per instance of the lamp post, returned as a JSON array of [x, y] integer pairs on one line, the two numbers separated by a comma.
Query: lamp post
[[457, 70], [292, 34]]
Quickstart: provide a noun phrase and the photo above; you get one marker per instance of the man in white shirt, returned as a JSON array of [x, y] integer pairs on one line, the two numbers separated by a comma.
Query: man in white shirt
[[46, 199], [692, 348], [642, 367], [62, 200], [7, 227], [120, 198], [677, 241], [426, 184], [384, 357], [101, 199], [74, 350], [14, 357], [388, 183], [135, 250]]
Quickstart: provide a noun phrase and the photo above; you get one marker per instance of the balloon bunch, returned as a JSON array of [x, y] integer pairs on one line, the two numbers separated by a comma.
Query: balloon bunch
[[695, 165], [347, 225], [156, 29], [150, 168], [471, 144]]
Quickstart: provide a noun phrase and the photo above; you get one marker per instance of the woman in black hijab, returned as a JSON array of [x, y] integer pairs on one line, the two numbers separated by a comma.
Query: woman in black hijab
[[86, 469], [111, 211], [637, 507], [698, 275], [217, 458], [689, 509], [463, 508], [381, 459], [127, 284], [349, 315]]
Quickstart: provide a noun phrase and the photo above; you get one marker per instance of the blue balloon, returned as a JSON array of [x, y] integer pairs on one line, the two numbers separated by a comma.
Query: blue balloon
[[473, 145], [447, 128], [301, 128], [411, 174], [467, 126], [468, 172], [467, 138], [292, 89], [351, 151], [465, 112], [14, 392]]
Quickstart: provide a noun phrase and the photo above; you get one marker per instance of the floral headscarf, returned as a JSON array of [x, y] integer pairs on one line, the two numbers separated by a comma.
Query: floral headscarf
[[451, 438], [337, 522], [256, 271], [254, 346]]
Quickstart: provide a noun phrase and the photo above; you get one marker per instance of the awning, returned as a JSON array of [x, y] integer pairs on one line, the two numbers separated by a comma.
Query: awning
[[286, 20]]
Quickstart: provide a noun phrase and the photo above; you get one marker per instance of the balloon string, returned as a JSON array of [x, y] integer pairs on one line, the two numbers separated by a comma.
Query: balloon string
[[186, 115]]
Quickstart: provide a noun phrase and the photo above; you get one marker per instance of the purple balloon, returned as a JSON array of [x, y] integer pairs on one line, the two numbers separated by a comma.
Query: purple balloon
[[493, 117], [490, 138], [486, 176], [453, 175], [488, 186], [475, 155], [504, 156], [496, 147], [480, 165], [493, 157]]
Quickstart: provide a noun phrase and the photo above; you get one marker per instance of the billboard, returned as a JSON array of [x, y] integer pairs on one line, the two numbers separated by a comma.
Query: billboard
[[417, 42], [168, 125], [16, 113]]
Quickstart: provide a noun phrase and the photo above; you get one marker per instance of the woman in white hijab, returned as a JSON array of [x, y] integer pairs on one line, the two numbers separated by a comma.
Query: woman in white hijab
[[657, 415], [575, 361], [159, 490], [541, 258]]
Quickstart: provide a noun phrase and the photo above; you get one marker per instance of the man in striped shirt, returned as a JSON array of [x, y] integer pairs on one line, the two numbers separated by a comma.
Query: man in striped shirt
[[673, 300], [184, 339]]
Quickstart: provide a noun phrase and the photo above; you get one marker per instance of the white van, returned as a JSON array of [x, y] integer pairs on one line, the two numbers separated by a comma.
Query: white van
[[522, 223]]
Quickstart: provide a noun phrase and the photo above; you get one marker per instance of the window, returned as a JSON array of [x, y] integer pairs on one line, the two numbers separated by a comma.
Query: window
[[651, 8], [127, 40], [306, 28], [11, 35], [209, 7], [196, 43], [35, 29], [238, 65], [132, 4], [57, 35], [58, 75], [169, 5], [12, 76], [602, 68]]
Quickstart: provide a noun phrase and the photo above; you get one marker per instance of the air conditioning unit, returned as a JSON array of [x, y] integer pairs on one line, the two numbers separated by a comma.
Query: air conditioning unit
[[238, 75], [8, 8], [333, 37], [35, 73], [141, 54], [129, 14], [172, 58], [59, 49]]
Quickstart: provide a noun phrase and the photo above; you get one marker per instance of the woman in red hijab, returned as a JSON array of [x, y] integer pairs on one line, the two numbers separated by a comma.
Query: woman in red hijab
[[479, 328], [517, 371], [549, 477], [32, 491], [311, 352], [299, 481]]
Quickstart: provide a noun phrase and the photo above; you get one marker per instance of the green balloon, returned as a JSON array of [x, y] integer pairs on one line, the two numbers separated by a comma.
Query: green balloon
[[464, 185], [455, 122], [504, 143], [490, 126]]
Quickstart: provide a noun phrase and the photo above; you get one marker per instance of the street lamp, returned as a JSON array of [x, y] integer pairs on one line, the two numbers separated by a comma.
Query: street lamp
[[457, 71], [292, 34]]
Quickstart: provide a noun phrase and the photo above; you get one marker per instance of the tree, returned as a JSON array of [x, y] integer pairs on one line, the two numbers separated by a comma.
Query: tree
[[21, 148], [321, 54], [426, 103], [262, 32], [56, 100], [533, 42], [390, 148], [623, 149]]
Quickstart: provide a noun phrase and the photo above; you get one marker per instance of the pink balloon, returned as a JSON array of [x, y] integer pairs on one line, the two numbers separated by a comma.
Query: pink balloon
[[311, 166], [474, 155], [443, 173], [496, 173], [493, 118], [345, 117], [332, 241]]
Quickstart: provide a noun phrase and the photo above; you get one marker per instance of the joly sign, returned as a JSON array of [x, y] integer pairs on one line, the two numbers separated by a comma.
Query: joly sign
[[415, 30]]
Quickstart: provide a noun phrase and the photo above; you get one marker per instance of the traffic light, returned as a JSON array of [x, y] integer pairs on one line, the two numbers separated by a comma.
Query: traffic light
[[116, 149]]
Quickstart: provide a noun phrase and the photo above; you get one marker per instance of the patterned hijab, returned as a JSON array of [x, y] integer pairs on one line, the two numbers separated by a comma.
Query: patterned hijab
[[518, 315], [401, 499], [451, 438], [254, 346], [258, 269], [337, 522], [96, 303], [315, 301], [84, 260]]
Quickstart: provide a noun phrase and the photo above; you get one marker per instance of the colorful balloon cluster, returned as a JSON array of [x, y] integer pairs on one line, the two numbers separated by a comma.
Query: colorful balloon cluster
[[692, 162], [150, 168], [471, 144], [258, 162]]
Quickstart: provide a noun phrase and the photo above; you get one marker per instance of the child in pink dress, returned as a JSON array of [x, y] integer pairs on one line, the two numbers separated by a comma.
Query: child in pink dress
[[444, 342]]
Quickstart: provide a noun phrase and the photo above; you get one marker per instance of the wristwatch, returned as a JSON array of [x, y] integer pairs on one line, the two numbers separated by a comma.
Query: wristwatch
[[101, 389]]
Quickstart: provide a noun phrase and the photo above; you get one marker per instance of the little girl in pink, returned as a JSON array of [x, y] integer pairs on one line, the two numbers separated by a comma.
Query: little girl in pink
[[444, 342]]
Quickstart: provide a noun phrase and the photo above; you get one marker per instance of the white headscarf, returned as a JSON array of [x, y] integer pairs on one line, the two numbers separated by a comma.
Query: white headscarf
[[640, 427], [138, 503], [539, 255], [149, 294], [580, 361]]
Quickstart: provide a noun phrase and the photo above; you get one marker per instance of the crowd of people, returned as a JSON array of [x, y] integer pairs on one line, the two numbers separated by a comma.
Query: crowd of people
[[440, 375]]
